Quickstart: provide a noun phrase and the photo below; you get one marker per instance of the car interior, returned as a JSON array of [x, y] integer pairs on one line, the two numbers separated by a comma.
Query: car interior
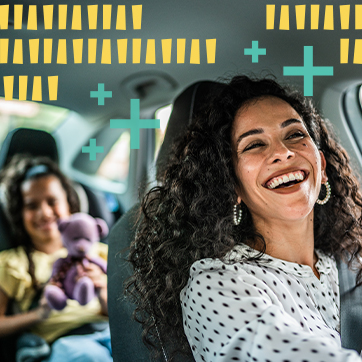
[[171, 56]]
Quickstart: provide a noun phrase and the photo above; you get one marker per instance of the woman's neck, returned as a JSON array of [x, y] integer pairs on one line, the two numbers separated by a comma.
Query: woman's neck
[[291, 241]]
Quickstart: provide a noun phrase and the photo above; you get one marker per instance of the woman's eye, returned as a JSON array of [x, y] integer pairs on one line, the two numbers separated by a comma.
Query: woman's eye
[[253, 145], [297, 135]]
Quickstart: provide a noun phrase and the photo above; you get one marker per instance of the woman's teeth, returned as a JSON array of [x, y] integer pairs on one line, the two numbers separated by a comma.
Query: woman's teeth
[[284, 179]]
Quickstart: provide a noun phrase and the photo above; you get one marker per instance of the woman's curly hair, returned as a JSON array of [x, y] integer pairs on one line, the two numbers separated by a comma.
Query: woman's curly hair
[[189, 216], [11, 179]]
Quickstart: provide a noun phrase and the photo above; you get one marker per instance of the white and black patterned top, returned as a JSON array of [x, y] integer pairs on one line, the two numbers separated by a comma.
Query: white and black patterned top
[[268, 310]]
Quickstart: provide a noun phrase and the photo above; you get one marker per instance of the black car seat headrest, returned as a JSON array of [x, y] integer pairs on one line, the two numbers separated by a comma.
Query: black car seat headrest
[[125, 332], [28, 141], [185, 107]]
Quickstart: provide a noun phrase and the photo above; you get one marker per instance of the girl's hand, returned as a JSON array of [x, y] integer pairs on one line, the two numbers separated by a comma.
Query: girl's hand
[[44, 309], [99, 278], [96, 274]]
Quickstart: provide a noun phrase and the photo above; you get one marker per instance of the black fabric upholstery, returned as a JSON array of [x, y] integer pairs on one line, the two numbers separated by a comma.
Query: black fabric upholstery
[[29, 141], [351, 308], [125, 332], [185, 107], [98, 205]]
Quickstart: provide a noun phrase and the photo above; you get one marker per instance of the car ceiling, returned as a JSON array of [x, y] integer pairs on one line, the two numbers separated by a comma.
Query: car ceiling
[[234, 23]]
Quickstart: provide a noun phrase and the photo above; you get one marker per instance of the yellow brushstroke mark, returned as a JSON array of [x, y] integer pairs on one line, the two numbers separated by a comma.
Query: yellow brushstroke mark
[[62, 51], [284, 17], [23, 87], [34, 50], [344, 11], [270, 16], [358, 17], [77, 50], [137, 16], [121, 17], [344, 49], [328, 18], [18, 51], [106, 51], [32, 18], [181, 46], [136, 50], [92, 50], [77, 17], [4, 48], [18, 16], [314, 17], [166, 50], [62, 16], [357, 59], [8, 87], [48, 16], [211, 50], [151, 52], [48, 47], [53, 87], [195, 51], [4, 17], [122, 50], [107, 14], [37, 96], [92, 16], [300, 16]]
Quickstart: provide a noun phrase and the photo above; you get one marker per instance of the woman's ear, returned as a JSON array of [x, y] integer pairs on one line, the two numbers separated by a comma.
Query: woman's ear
[[238, 193], [323, 168]]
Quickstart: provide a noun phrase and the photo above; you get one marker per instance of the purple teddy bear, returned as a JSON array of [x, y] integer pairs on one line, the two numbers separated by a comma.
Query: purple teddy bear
[[79, 233]]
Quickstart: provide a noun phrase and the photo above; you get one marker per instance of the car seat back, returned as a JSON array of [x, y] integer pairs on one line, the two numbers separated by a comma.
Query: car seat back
[[125, 332]]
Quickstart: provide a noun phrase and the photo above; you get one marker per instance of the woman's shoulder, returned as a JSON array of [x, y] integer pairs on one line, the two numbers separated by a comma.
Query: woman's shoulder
[[220, 271]]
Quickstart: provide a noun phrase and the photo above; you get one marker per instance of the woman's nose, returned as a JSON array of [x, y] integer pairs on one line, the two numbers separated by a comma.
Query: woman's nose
[[280, 153]]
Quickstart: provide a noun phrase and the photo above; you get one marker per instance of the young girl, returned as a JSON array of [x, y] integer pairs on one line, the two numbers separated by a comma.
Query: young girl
[[38, 195]]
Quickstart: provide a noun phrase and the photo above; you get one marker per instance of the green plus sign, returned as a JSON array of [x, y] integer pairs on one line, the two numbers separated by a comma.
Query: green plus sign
[[101, 94], [254, 51], [135, 123], [92, 149], [308, 71]]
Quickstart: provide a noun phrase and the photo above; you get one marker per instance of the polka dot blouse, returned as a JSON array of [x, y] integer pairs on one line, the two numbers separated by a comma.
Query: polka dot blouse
[[267, 310]]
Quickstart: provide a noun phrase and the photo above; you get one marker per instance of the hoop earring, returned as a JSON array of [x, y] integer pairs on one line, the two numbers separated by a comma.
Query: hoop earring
[[238, 214], [328, 194]]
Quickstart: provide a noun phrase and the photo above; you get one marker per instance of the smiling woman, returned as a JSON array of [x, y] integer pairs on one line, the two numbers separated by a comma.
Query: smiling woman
[[234, 249], [279, 171]]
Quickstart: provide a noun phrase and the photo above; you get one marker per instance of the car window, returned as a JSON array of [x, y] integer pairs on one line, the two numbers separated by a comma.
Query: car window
[[115, 165], [352, 106], [163, 114], [15, 114]]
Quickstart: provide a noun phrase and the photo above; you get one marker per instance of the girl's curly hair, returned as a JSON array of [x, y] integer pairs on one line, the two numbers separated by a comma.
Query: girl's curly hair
[[11, 178], [189, 216]]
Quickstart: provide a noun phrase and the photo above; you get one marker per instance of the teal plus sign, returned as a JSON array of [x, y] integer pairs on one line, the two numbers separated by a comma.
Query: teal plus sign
[[101, 94], [254, 51], [92, 149], [308, 71], [135, 123]]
